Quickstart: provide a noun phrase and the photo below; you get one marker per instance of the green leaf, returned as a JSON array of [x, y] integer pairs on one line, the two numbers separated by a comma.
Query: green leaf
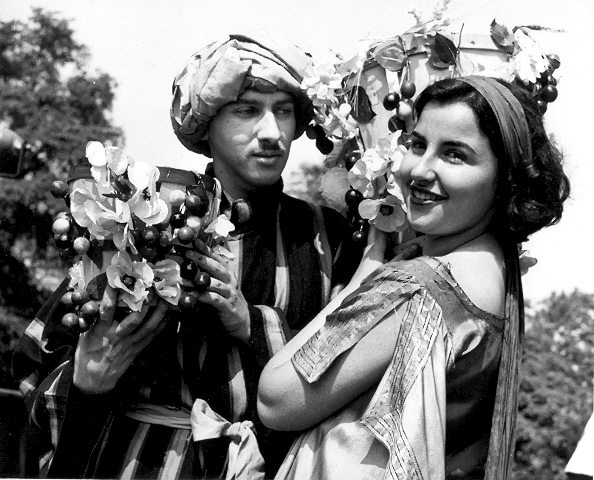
[[502, 37], [444, 49], [391, 55], [97, 286], [362, 111]]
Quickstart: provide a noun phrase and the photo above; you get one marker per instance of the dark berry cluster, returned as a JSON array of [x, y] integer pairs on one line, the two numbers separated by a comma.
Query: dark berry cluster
[[323, 143], [190, 214]]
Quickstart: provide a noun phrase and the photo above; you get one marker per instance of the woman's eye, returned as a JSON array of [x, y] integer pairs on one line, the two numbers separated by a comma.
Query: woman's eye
[[455, 156]]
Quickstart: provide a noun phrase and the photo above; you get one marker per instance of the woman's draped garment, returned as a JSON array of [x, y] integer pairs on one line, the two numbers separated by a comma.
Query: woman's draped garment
[[430, 415]]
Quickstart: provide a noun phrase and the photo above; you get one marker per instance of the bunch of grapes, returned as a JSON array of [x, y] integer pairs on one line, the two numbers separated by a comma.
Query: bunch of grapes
[[401, 103], [545, 88]]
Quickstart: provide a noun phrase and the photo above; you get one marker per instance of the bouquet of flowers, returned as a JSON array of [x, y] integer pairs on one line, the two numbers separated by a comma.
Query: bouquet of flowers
[[125, 228], [366, 176]]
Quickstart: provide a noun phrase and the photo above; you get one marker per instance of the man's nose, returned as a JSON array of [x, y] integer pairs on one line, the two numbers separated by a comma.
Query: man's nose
[[268, 129]]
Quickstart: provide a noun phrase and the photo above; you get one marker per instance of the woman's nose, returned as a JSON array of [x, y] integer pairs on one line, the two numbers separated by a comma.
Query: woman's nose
[[424, 169]]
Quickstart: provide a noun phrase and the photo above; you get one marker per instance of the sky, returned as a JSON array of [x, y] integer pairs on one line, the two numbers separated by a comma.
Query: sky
[[143, 44]]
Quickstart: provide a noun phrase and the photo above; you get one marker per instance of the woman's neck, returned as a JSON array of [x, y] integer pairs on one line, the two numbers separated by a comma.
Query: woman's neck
[[439, 245]]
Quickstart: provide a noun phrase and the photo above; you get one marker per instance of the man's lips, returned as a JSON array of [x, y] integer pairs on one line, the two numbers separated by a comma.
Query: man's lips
[[268, 154], [421, 196]]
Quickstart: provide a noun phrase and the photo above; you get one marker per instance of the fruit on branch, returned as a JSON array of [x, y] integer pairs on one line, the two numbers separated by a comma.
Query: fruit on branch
[[81, 245], [201, 281], [194, 222], [188, 269], [353, 197], [395, 123], [548, 93], [150, 236], [66, 299], [59, 189], [177, 197], [188, 301], [63, 241], [185, 235], [70, 320], [196, 205], [84, 324], [61, 225], [178, 220], [359, 237], [90, 310], [80, 297], [324, 145], [391, 101], [408, 89]]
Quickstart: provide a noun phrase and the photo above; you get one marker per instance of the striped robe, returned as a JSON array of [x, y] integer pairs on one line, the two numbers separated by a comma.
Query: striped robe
[[289, 255]]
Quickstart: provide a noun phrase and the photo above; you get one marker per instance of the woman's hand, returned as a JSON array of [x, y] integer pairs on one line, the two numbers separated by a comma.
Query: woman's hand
[[104, 353]]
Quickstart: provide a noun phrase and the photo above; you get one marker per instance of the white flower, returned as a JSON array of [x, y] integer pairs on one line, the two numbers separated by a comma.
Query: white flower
[[339, 122], [386, 214], [77, 276], [146, 202], [131, 277], [529, 60], [321, 81], [220, 227], [167, 280]]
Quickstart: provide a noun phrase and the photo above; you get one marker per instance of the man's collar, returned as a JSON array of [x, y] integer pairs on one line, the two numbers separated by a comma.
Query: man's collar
[[251, 211]]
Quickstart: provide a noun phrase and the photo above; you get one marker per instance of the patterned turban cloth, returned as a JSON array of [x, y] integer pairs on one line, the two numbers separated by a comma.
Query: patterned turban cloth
[[219, 73]]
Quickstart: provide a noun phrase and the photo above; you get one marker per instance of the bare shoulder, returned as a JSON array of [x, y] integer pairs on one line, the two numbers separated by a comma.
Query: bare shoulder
[[479, 269]]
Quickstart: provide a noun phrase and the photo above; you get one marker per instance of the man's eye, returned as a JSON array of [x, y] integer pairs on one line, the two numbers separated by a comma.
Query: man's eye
[[285, 110], [245, 111], [417, 146]]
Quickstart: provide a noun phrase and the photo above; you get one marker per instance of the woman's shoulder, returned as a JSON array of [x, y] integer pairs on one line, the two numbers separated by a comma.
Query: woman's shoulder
[[479, 270]]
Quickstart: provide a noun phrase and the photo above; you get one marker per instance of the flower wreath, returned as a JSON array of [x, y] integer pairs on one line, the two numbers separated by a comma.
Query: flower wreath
[[369, 173], [124, 230]]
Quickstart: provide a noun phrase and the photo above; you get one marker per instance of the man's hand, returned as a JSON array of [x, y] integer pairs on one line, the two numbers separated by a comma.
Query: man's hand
[[107, 349], [223, 293]]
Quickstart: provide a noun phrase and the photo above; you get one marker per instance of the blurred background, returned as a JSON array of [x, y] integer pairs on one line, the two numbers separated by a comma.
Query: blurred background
[[79, 70]]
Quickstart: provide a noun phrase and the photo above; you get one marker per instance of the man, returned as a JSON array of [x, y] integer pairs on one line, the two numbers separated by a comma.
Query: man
[[117, 401]]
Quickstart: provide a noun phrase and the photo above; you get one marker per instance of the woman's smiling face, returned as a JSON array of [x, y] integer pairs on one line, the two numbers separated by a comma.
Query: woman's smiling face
[[449, 173]]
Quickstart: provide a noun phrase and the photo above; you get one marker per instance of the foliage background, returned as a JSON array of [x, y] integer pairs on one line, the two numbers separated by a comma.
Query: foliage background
[[48, 96]]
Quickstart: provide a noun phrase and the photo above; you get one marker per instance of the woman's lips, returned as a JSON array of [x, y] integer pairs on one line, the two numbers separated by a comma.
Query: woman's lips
[[420, 196]]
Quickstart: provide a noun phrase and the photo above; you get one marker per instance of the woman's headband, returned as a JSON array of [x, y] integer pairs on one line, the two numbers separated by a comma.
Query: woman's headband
[[509, 113]]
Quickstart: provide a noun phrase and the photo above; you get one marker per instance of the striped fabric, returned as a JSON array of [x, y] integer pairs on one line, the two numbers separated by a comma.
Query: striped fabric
[[289, 256]]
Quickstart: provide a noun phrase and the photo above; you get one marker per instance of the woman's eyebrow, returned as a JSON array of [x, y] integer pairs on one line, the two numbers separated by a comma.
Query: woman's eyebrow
[[456, 143], [447, 143]]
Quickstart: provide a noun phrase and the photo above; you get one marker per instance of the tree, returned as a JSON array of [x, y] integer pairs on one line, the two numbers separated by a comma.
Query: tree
[[48, 97], [555, 399]]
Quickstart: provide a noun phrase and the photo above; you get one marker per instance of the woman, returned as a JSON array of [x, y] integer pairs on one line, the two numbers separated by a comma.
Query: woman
[[415, 374]]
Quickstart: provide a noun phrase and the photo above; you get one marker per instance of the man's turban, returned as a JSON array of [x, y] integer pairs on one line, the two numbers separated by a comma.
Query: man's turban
[[219, 73]]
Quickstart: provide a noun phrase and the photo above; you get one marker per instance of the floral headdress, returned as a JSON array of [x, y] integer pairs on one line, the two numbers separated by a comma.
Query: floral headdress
[[126, 230], [346, 106]]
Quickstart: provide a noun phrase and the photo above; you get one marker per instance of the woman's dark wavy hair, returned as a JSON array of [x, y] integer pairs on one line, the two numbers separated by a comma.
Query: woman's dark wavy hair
[[530, 191]]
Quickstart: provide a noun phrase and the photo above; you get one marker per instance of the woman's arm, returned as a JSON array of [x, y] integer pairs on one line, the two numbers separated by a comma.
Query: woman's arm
[[287, 402]]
